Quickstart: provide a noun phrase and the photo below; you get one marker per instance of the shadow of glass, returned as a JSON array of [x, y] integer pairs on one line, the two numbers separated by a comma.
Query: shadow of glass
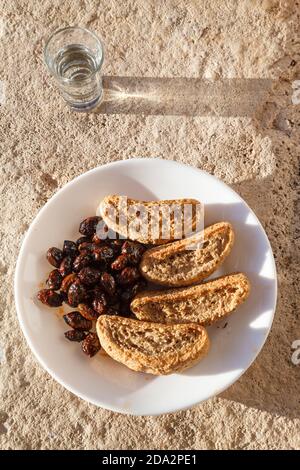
[[183, 96]]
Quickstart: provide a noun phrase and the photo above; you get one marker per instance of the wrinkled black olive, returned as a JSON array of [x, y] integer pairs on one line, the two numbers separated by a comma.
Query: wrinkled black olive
[[66, 266], [82, 240], [128, 276], [55, 256], [50, 297], [75, 335], [88, 312], [91, 345], [54, 280], [103, 253], [67, 281], [70, 248], [89, 276], [88, 226], [108, 283], [100, 304], [81, 261], [133, 250], [77, 321], [120, 263], [77, 293]]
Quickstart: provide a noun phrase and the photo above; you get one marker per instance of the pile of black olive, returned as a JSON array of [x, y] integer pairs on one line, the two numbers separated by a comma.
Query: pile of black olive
[[95, 276]]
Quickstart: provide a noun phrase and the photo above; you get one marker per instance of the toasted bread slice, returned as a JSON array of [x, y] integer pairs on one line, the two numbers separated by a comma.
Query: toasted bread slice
[[152, 347], [187, 261], [151, 222], [204, 304]]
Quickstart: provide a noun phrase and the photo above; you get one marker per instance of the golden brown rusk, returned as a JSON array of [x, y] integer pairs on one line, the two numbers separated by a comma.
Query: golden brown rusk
[[154, 348], [204, 303], [151, 222], [185, 262]]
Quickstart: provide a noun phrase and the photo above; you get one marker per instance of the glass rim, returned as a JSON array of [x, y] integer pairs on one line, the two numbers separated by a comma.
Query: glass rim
[[68, 28]]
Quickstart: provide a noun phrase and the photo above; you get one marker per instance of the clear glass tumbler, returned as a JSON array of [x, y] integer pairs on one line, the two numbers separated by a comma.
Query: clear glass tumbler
[[74, 57]]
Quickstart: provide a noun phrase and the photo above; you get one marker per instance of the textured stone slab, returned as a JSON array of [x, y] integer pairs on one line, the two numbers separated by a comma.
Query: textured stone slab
[[211, 86]]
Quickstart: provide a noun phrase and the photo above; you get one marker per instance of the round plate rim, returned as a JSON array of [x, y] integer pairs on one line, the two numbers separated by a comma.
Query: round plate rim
[[17, 280]]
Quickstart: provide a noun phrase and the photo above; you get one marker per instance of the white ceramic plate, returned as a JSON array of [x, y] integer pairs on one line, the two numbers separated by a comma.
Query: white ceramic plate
[[235, 342]]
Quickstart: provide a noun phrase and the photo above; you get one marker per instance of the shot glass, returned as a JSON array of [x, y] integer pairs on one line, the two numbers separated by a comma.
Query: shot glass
[[74, 57]]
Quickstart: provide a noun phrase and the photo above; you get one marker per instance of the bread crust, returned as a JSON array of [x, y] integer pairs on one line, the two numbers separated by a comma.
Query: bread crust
[[184, 353], [195, 303], [127, 232], [156, 257]]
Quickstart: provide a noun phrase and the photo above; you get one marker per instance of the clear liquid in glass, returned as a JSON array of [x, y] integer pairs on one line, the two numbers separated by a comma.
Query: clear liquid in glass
[[76, 67]]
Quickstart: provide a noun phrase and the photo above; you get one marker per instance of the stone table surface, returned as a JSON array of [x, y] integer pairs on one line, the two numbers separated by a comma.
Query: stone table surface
[[223, 80]]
